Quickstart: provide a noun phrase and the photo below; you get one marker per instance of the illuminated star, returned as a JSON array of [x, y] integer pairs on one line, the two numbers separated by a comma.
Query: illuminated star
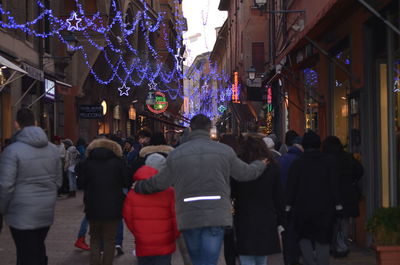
[[178, 60], [73, 22], [124, 90], [152, 85]]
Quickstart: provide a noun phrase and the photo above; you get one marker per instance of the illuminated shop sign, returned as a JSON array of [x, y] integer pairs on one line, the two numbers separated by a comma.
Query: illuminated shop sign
[[50, 89], [160, 104], [235, 88]]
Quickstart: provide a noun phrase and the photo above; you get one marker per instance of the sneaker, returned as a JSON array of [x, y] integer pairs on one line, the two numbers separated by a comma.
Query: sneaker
[[119, 250], [80, 243]]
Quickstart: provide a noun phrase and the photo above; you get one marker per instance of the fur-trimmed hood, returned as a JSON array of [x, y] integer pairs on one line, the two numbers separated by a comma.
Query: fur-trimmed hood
[[164, 149], [104, 143]]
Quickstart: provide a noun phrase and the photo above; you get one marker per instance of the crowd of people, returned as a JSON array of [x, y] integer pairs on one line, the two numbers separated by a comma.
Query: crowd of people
[[249, 192]]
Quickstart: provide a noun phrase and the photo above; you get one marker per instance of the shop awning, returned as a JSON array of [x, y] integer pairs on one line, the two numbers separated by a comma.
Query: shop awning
[[17, 72], [11, 65]]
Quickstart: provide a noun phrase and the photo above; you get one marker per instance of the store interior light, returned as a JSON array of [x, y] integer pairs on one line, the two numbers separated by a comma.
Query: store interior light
[[104, 105]]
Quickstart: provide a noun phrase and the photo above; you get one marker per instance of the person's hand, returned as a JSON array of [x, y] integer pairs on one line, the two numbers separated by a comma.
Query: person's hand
[[265, 161]]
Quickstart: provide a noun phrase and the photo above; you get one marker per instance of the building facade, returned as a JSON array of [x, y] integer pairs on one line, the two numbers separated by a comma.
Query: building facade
[[338, 66], [33, 70]]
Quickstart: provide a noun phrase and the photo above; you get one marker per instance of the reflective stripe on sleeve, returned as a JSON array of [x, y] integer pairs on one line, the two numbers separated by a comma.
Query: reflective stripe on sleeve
[[202, 198]]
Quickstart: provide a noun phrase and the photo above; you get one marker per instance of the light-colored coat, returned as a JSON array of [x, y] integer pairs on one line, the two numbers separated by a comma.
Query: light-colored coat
[[30, 175]]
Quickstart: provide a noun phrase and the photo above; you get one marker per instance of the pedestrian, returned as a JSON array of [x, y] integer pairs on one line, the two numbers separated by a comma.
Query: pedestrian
[[350, 173], [71, 159], [200, 171], [313, 200], [61, 147], [258, 207], [289, 137], [291, 250], [30, 175], [230, 253], [269, 142], [152, 218], [103, 176]]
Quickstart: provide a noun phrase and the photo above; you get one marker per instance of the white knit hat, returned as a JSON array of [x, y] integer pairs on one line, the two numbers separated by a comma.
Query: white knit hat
[[156, 161], [269, 142]]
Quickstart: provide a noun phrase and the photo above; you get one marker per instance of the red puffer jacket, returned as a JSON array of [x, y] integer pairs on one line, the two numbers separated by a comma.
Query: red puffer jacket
[[151, 218]]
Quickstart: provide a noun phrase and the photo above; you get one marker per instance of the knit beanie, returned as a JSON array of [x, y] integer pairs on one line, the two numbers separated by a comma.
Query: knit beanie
[[156, 161], [269, 142]]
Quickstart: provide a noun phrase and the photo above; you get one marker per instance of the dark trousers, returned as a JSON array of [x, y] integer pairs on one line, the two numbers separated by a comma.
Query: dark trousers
[[229, 246], [155, 260], [30, 246], [102, 231]]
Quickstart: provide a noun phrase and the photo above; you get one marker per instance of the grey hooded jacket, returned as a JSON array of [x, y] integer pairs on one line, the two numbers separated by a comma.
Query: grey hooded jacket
[[200, 171], [30, 175]]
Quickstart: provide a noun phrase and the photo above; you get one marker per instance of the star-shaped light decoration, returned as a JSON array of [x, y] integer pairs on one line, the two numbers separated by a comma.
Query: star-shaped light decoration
[[178, 60], [73, 22], [124, 90], [152, 85]]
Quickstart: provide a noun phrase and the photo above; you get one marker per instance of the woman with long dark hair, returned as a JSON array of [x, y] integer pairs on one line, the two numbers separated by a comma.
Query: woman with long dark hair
[[258, 207]]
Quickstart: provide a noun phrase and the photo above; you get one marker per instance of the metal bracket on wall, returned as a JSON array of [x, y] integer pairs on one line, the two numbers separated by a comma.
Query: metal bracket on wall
[[376, 13]]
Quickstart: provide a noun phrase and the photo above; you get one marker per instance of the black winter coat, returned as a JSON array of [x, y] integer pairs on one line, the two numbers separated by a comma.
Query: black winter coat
[[312, 194], [350, 172], [258, 212], [102, 176]]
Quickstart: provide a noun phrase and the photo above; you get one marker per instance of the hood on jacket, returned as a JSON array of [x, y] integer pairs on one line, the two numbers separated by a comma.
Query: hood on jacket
[[34, 136], [163, 149], [145, 172], [295, 149], [112, 147]]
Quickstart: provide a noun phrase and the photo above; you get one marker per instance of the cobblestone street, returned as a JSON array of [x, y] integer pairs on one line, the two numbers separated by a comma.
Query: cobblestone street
[[63, 233]]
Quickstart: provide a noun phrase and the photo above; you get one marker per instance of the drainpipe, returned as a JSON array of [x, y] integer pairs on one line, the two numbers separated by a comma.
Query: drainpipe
[[391, 118]]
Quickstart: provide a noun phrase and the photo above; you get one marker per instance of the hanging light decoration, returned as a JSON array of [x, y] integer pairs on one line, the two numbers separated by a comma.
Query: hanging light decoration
[[132, 113]]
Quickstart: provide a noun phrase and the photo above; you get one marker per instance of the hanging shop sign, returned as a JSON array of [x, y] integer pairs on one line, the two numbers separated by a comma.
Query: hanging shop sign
[[160, 103], [235, 88], [90, 111], [50, 89], [222, 109]]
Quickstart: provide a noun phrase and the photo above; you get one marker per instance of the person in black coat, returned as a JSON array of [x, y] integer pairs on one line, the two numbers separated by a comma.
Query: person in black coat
[[258, 207], [350, 172], [313, 200], [102, 176]]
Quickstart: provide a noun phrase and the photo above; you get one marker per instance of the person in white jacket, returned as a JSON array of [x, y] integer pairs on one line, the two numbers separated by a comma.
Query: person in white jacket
[[71, 159]]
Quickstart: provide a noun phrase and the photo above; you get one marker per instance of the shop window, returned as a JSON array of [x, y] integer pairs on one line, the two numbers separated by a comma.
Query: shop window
[[310, 99], [258, 59]]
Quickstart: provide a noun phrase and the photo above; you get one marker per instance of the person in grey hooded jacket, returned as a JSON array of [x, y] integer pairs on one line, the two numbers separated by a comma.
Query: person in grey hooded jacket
[[200, 171], [30, 175]]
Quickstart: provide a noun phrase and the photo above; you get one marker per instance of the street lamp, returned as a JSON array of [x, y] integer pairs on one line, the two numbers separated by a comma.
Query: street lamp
[[252, 73], [260, 3]]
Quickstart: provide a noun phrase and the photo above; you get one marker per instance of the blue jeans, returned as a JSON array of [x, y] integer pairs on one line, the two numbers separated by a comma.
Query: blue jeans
[[252, 260], [120, 232], [155, 260], [204, 244]]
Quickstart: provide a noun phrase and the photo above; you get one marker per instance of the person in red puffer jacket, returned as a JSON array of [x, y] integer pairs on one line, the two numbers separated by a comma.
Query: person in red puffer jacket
[[151, 218]]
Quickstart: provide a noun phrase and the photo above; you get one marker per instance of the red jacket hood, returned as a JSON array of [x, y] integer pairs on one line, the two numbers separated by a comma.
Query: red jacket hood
[[145, 172]]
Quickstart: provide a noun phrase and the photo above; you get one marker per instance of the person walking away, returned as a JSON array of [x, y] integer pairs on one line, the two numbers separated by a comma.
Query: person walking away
[[200, 171], [152, 218], [313, 200], [71, 159], [259, 207], [271, 147], [289, 137], [61, 147], [350, 172], [30, 175], [103, 176], [291, 250]]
